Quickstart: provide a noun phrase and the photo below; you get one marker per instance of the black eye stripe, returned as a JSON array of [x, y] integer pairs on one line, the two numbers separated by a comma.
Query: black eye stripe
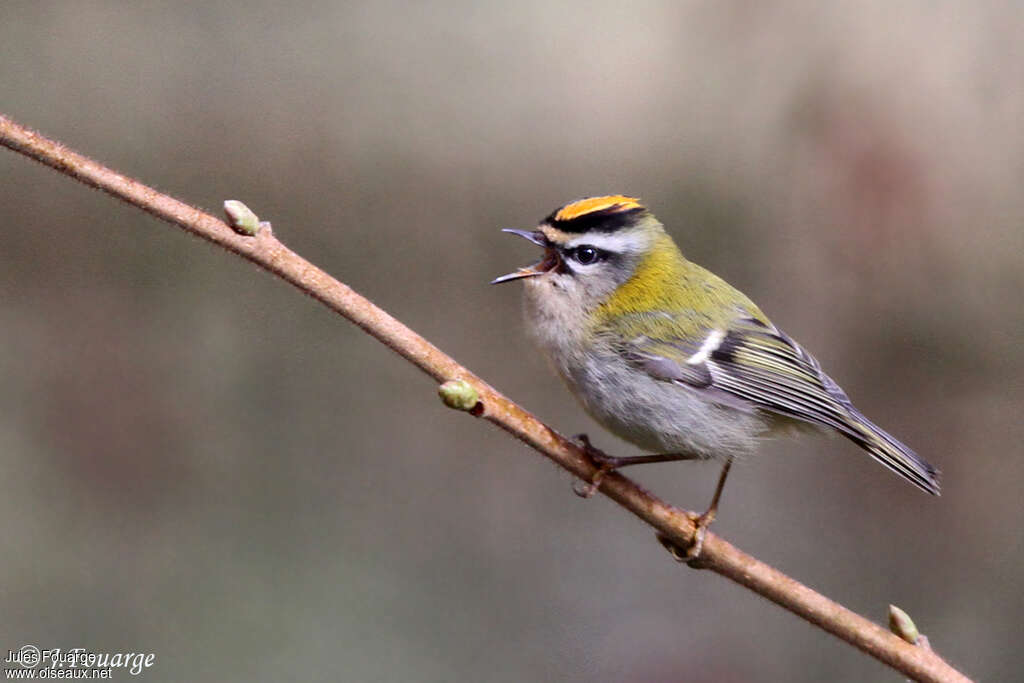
[[586, 254]]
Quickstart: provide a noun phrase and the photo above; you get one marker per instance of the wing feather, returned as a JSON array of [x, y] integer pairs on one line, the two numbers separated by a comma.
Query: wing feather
[[755, 365]]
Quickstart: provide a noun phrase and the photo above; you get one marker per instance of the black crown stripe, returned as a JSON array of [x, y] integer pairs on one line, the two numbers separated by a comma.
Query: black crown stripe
[[605, 220]]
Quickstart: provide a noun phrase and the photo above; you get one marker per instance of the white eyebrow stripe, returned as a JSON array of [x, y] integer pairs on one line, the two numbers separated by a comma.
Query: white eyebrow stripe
[[710, 344], [617, 243]]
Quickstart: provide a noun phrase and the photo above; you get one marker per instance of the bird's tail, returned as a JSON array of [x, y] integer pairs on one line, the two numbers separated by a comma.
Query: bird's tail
[[887, 450]]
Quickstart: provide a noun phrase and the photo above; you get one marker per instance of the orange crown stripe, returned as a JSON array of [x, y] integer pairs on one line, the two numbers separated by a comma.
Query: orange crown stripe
[[613, 203]]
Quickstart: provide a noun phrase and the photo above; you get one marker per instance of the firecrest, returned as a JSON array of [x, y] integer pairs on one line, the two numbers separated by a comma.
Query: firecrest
[[670, 357]]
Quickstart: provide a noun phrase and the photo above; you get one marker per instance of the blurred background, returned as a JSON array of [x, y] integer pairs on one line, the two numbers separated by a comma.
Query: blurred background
[[202, 463]]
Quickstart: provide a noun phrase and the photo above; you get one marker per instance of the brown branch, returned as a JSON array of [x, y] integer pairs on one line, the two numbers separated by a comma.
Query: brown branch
[[675, 525]]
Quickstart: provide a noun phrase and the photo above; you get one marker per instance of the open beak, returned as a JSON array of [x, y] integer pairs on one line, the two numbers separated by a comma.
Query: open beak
[[548, 263]]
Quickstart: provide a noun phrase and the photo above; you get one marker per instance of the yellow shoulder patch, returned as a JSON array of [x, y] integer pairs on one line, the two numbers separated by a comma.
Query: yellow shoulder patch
[[613, 203]]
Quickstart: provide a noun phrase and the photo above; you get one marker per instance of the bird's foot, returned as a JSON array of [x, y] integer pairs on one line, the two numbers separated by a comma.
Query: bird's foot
[[605, 463], [691, 555]]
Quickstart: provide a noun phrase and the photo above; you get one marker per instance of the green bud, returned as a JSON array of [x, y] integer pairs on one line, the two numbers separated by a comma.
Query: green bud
[[902, 625], [241, 218], [459, 394]]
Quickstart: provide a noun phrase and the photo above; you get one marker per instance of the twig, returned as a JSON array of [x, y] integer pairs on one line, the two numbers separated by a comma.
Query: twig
[[672, 524]]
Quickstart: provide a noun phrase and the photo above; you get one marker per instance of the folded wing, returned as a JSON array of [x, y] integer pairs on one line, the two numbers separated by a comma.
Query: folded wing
[[751, 364]]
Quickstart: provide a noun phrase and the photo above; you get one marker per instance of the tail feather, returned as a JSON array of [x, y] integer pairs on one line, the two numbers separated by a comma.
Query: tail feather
[[887, 450]]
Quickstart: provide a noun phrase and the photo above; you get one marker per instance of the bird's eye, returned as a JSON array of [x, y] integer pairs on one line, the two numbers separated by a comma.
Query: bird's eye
[[586, 255]]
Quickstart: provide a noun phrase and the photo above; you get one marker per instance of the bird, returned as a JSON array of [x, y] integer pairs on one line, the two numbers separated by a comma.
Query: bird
[[671, 358]]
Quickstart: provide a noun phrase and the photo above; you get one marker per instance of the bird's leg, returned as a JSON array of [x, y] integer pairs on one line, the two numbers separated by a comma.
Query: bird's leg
[[609, 463], [702, 522]]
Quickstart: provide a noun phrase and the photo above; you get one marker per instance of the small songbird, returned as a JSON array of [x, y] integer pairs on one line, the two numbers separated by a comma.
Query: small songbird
[[670, 357]]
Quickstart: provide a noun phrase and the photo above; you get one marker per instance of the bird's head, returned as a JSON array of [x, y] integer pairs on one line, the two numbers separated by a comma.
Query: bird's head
[[591, 247]]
